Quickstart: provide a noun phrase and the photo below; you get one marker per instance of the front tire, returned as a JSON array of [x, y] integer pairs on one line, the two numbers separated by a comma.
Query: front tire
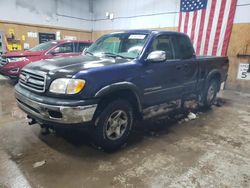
[[113, 125]]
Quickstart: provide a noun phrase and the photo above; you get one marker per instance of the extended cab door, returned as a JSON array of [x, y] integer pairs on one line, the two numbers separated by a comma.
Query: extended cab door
[[163, 81], [184, 51]]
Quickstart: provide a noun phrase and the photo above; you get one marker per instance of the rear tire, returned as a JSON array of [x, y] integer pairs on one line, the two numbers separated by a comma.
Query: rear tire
[[208, 97], [113, 125]]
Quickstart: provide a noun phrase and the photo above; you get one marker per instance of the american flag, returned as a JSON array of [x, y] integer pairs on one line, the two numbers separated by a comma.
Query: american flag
[[208, 23]]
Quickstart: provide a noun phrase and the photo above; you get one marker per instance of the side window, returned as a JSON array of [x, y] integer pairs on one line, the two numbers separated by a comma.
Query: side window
[[82, 46], [163, 43], [65, 48], [76, 47], [183, 47]]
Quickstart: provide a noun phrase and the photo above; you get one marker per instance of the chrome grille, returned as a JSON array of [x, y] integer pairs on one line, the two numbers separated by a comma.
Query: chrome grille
[[3, 61], [32, 81]]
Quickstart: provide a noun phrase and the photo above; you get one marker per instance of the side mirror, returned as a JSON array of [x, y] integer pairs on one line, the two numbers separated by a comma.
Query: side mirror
[[54, 51], [157, 56]]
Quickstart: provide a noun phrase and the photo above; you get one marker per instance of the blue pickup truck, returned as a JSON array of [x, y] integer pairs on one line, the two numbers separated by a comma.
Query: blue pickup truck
[[122, 77]]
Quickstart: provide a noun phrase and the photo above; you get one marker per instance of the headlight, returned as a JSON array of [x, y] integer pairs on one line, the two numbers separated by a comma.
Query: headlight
[[16, 59], [67, 86]]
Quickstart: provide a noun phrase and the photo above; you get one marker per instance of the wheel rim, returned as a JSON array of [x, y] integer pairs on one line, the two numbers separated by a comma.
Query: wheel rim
[[116, 125], [211, 93]]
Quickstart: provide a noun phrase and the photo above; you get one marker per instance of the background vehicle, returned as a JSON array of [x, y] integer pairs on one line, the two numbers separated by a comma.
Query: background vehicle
[[11, 63], [124, 76]]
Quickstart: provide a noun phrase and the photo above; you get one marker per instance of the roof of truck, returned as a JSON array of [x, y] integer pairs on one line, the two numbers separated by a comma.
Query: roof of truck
[[149, 31]]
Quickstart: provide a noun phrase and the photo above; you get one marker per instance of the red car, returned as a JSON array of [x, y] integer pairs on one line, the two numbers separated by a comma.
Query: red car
[[11, 63]]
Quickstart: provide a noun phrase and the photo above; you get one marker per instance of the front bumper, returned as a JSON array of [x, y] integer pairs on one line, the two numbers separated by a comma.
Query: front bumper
[[58, 114], [9, 73]]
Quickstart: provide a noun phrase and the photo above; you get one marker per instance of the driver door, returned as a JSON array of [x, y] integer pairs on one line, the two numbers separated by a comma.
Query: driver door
[[162, 80]]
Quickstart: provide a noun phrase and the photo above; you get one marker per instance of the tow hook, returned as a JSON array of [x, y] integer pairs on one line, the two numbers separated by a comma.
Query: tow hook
[[31, 121]]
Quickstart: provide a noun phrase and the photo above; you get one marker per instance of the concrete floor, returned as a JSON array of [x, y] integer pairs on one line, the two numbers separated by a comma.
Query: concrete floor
[[211, 151]]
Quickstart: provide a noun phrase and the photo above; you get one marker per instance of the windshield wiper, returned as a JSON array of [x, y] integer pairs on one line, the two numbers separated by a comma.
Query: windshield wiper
[[110, 54]]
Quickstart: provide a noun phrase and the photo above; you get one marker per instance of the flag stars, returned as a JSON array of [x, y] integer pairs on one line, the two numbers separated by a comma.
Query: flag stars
[[192, 5]]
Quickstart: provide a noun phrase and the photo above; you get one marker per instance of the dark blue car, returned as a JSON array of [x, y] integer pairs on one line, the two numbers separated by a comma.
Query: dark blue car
[[122, 77]]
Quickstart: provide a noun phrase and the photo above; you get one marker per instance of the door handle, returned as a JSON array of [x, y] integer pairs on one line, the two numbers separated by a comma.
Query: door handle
[[186, 66]]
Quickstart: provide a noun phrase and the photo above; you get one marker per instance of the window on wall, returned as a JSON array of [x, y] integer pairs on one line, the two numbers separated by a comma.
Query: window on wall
[[1, 44], [45, 37]]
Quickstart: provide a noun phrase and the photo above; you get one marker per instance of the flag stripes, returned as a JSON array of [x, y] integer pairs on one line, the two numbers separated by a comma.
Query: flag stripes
[[208, 24]]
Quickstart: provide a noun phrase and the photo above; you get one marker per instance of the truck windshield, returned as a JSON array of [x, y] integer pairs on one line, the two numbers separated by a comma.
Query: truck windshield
[[43, 46], [123, 45]]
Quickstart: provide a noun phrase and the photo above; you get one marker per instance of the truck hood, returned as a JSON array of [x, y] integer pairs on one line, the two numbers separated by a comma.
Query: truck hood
[[22, 54], [72, 64]]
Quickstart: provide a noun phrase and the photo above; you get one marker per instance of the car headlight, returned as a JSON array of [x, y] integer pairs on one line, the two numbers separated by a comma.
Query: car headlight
[[67, 86], [16, 59]]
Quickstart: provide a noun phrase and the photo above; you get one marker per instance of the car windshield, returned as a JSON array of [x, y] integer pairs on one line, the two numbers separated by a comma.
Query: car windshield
[[43, 46], [123, 45]]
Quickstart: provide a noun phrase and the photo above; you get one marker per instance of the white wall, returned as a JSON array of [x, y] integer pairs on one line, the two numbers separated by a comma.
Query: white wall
[[242, 14], [61, 13], [142, 14], [138, 14], [77, 14]]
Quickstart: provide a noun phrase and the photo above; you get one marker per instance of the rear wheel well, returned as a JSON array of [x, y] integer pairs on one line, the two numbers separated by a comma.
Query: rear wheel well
[[217, 77], [124, 94]]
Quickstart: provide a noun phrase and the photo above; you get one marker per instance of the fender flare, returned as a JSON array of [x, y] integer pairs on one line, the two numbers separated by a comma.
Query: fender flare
[[118, 86], [212, 73]]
